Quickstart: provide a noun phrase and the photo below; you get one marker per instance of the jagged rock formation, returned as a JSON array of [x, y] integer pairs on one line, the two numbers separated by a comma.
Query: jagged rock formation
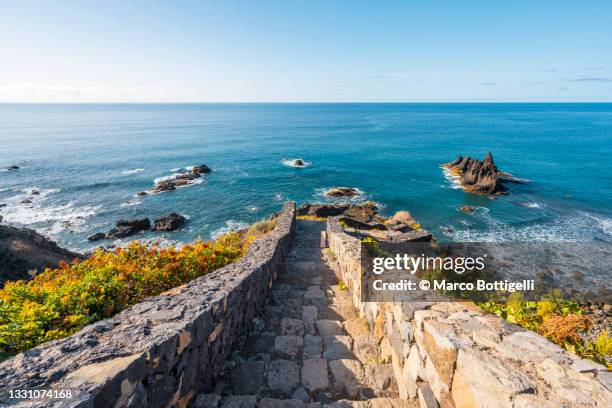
[[125, 228], [24, 253], [475, 176]]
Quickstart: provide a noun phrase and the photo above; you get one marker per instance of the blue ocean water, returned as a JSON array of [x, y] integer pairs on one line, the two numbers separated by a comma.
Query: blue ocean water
[[88, 161]]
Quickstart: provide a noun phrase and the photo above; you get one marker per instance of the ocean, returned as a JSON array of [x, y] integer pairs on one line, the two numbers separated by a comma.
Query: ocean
[[87, 161]]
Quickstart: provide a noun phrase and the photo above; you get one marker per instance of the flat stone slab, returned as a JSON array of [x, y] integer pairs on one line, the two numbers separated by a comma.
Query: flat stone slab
[[314, 375], [291, 326], [329, 328], [283, 377], [288, 346], [309, 315], [313, 346], [315, 296], [347, 375], [239, 401], [247, 377], [337, 347]]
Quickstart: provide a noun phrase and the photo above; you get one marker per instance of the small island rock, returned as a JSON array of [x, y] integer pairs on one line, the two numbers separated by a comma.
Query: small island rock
[[97, 236], [343, 192], [168, 222]]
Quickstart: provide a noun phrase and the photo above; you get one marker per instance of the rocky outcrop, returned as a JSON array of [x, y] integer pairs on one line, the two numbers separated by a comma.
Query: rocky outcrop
[[178, 180], [24, 253], [125, 228], [96, 237], [452, 354], [364, 212], [400, 228], [168, 222], [343, 192], [164, 351], [479, 177]]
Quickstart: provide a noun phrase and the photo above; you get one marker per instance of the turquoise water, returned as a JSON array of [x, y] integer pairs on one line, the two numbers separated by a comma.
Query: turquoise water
[[89, 160]]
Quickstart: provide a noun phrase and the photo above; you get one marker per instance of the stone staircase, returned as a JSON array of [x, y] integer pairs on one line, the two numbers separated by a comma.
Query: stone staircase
[[309, 348]]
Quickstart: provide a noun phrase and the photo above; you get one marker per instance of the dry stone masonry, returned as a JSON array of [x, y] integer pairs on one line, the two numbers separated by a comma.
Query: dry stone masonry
[[164, 351], [284, 327], [453, 355]]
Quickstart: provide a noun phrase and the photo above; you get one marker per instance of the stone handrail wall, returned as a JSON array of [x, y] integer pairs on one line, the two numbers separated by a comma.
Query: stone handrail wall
[[452, 354], [164, 351]]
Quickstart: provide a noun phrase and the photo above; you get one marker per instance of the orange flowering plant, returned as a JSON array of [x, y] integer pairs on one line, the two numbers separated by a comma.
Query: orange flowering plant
[[59, 302]]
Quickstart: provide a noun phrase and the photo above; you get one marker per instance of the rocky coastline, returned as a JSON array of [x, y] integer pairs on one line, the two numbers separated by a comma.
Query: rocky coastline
[[480, 177]]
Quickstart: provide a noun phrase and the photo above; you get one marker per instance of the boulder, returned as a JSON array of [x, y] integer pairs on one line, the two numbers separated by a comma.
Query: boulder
[[201, 169], [97, 236], [480, 177], [24, 252], [168, 222], [343, 192], [11, 168], [466, 209], [125, 228]]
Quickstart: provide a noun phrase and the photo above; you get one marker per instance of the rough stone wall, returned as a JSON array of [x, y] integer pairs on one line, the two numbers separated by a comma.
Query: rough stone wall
[[164, 351], [452, 354]]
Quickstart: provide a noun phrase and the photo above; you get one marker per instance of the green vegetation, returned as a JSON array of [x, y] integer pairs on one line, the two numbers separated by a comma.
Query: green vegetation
[[311, 218], [59, 302], [562, 321]]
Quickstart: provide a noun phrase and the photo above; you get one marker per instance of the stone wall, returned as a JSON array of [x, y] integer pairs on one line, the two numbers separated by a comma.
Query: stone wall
[[452, 354], [164, 351]]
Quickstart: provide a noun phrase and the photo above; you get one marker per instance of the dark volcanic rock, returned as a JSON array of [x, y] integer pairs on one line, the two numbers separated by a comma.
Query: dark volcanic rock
[[364, 212], [298, 162], [125, 228], [24, 252], [181, 179], [201, 169], [480, 177], [466, 209], [10, 168], [96, 237], [168, 222], [343, 192], [26, 201]]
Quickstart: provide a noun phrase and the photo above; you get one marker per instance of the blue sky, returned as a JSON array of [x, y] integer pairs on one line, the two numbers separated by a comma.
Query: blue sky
[[305, 51]]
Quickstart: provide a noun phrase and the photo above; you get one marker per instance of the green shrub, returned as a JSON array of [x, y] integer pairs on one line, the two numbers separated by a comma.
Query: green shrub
[[59, 302]]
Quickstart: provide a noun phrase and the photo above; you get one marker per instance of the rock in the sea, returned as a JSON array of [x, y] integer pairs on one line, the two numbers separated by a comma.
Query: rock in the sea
[[168, 222], [343, 192], [298, 162], [201, 169], [125, 228], [480, 177], [179, 180], [24, 252], [10, 168], [141, 193], [26, 201], [97, 236], [466, 209], [166, 185]]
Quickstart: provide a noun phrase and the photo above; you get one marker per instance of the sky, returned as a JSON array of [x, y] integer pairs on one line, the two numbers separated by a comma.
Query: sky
[[305, 51]]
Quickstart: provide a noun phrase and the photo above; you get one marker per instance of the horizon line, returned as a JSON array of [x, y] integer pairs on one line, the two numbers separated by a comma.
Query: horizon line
[[305, 102]]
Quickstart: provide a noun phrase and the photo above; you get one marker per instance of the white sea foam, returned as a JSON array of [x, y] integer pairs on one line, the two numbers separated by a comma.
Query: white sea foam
[[130, 203], [278, 197], [455, 180], [578, 227], [253, 209], [174, 170], [292, 163], [530, 205], [230, 225], [132, 171]]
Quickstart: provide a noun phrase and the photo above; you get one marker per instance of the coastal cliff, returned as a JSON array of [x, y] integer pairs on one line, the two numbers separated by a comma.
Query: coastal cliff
[[24, 253]]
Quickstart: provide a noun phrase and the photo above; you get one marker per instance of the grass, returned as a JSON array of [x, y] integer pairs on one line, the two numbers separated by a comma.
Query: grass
[[311, 218], [59, 302]]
